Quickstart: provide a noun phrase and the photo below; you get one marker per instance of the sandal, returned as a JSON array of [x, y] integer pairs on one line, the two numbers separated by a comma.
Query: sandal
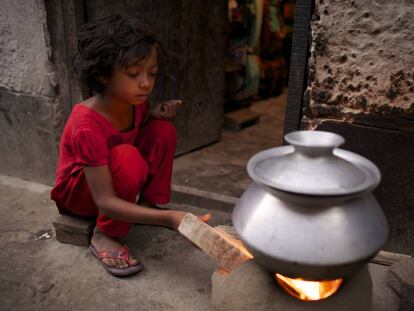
[[122, 254]]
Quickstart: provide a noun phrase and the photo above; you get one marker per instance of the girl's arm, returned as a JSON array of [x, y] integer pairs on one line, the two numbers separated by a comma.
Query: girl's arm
[[100, 184]]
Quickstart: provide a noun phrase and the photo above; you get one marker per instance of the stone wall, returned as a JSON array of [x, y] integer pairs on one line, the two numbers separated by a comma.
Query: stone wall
[[362, 61], [361, 85], [27, 92]]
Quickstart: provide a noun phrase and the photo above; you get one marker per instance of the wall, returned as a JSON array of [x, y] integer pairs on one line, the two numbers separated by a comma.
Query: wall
[[361, 67], [28, 89], [193, 34], [38, 86], [361, 85]]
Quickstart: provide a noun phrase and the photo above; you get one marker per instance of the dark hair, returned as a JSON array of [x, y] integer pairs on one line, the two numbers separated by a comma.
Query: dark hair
[[112, 41]]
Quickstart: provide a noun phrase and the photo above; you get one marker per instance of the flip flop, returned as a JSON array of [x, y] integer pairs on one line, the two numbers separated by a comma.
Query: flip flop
[[122, 254]]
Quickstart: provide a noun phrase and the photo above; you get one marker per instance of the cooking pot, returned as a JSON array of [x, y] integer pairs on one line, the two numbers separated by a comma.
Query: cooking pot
[[309, 212]]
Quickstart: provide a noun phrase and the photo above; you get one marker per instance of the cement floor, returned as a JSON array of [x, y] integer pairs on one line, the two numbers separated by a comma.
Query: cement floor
[[43, 274]]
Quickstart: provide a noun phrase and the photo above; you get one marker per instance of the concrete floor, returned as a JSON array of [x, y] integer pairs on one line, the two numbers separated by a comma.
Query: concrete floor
[[43, 274]]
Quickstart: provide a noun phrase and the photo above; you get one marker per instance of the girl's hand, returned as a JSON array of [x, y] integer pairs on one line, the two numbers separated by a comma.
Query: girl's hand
[[166, 110]]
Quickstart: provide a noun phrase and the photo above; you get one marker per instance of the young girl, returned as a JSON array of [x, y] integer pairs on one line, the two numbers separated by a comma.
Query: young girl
[[112, 148]]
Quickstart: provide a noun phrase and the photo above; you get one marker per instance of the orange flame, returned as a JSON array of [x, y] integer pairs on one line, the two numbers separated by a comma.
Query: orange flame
[[308, 290]]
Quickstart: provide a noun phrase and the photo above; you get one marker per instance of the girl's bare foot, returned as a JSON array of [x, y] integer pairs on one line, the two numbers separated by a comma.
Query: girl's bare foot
[[104, 243]]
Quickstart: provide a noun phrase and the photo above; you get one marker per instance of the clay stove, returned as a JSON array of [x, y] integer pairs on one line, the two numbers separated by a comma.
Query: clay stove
[[251, 287], [241, 284]]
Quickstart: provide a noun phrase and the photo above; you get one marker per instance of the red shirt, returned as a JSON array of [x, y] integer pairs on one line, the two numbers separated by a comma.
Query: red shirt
[[86, 140]]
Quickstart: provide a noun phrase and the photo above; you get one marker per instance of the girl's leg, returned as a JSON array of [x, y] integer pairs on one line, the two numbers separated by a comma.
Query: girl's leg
[[156, 143], [129, 172]]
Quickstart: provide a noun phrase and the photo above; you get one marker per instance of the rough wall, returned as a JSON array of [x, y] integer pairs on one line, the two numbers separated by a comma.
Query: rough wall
[[27, 92], [361, 85], [361, 65]]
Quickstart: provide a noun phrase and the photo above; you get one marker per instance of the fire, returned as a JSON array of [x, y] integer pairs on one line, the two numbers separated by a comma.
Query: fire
[[308, 290]]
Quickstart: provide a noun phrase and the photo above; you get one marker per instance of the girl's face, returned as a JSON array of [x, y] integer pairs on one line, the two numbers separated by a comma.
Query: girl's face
[[133, 85]]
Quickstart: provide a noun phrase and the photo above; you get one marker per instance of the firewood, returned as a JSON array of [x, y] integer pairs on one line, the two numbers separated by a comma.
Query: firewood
[[217, 244]]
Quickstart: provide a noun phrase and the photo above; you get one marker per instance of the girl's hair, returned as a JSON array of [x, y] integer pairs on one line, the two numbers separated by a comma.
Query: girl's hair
[[112, 41]]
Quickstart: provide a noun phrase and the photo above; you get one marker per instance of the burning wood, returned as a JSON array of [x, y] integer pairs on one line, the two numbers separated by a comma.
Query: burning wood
[[215, 242], [308, 290]]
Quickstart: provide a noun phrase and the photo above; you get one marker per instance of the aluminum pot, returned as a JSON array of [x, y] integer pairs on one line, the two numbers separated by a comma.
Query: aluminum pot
[[309, 212]]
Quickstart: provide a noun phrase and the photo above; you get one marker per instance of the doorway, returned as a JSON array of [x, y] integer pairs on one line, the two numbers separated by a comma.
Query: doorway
[[258, 49], [224, 56]]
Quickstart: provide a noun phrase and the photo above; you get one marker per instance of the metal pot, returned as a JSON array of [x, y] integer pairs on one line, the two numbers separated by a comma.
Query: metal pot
[[309, 212]]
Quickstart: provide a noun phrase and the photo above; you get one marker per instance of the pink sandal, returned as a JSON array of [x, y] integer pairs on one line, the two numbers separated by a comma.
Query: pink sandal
[[122, 254]]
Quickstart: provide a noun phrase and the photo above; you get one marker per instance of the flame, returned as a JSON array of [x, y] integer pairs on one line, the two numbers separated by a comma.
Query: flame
[[308, 290]]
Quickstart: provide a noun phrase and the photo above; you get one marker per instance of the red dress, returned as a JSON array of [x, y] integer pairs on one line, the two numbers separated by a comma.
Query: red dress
[[140, 161]]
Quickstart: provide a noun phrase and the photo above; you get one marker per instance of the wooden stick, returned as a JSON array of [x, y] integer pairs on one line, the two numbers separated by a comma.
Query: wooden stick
[[387, 258]]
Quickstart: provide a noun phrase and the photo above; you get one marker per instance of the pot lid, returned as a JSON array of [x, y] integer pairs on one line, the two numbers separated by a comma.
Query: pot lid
[[313, 165]]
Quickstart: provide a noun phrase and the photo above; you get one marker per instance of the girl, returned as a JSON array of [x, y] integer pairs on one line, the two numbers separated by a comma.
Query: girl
[[112, 147]]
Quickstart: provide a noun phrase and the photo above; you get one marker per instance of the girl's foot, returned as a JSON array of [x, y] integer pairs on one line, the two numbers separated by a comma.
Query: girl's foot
[[102, 242]]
